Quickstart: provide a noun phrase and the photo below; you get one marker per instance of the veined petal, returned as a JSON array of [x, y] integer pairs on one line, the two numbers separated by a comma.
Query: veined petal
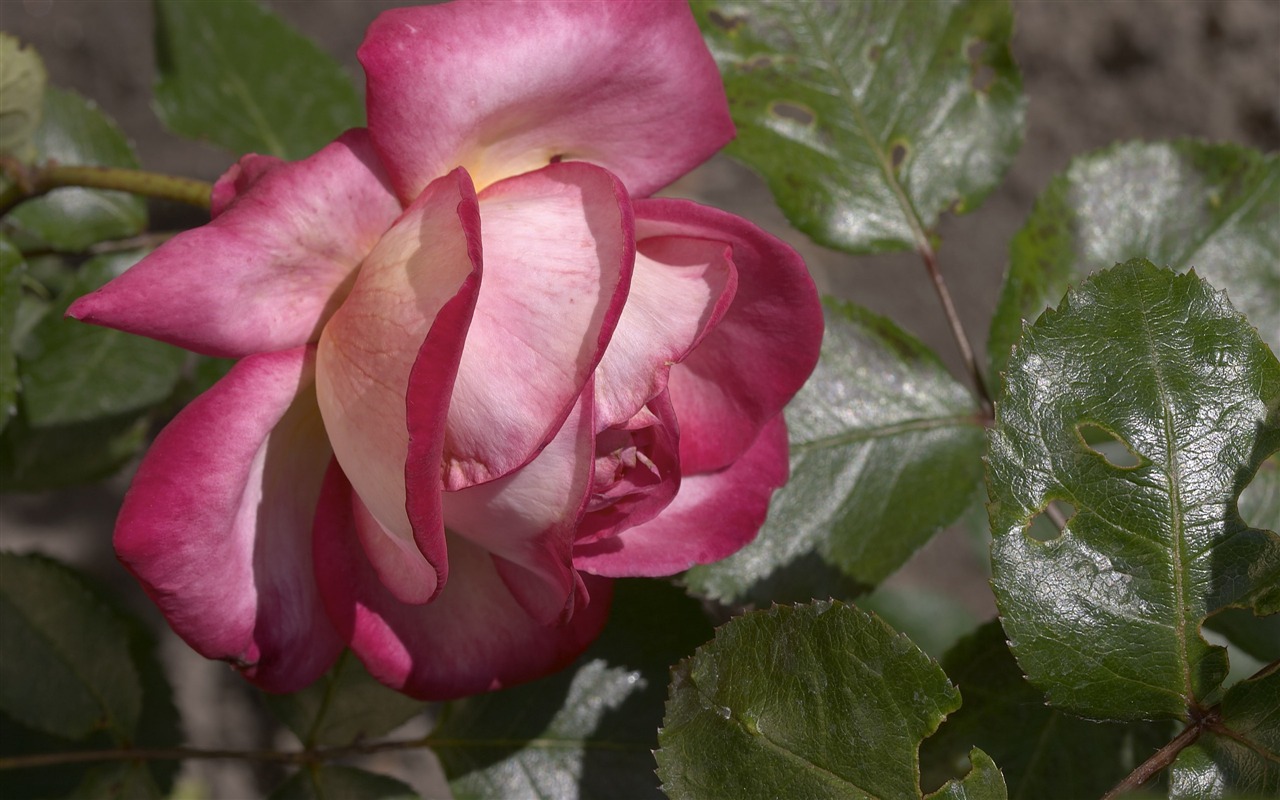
[[558, 254], [527, 519], [759, 354], [411, 304], [474, 637], [680, 289], [270, 269], [237, 180], [713, 515], [506, 87], [217, 524]]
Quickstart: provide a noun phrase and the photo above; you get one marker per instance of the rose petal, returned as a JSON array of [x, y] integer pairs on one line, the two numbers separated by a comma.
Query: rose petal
[[713, 516], [750, 365], [410, 304], [217, 523], [474, 637], [680, 289], [527, 519], [505, 88], [558, 255], [269, 270], [237, 180]]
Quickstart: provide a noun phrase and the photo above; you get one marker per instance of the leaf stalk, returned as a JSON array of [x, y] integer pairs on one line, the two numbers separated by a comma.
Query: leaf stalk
[[27, 183]]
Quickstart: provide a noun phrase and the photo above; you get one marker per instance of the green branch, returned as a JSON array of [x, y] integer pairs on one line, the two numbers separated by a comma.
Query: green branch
[[27, 183]]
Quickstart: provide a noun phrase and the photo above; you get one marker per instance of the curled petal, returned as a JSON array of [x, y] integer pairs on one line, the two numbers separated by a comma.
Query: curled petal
[[402, 327], [713, 515], [628, 85], [270, 269], [558, 255], [474, 637], [760, 353], [217, 524]]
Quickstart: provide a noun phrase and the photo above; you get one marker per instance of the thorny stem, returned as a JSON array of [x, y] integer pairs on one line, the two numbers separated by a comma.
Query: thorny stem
[[27, 183], [925, 249]]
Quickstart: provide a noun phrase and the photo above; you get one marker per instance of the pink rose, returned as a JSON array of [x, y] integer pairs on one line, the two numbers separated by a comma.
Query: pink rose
[[481, 372]]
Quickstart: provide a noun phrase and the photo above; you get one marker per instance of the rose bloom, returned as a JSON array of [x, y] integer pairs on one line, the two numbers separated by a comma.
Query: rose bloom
[[481, 371]]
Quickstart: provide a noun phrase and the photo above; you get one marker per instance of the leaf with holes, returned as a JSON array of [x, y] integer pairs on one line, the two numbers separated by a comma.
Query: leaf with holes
[[1105, 617], [816, 701], [869, 119], [886, 448], [235, 74], [1181, 204]]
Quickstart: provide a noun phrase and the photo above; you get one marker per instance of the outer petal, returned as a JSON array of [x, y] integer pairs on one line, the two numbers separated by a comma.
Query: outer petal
[[714, 515], [746, 369], [217, 523], [269, 270], [558, 254], [680, 289], [474, 637], [506, 87], [527, 519], [411, 303]]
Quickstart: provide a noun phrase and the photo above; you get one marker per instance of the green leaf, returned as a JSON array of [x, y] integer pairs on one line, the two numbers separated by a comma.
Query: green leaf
[[869, 119], [815, 701], [933, 620], [12, 271], [74, 131], [1260, 500], [1242, 754], [1257, 636], [1044, 753], [886, 448], [331, 782], [36, 459], [586, 732], [345, 706], [1106, 617], [65, 667], [235, 74], [1180, 204], [73, 372]]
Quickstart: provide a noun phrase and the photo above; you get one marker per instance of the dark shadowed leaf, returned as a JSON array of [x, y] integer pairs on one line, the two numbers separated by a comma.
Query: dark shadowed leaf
[[1044, 753], [344, 706], [586, 733], [886, 449], [235, 74], [869, 119], [1242, 757], [332, 782], [12, 270], [815, 701], [1257, 636], [1179, 204], [1105, 618], [75, 132]]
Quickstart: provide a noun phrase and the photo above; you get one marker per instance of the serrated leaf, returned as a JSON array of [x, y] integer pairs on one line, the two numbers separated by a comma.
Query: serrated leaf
[[235, 74], [36, 459], [331, 782], [1106, 617], [886, 448], [345, 706], [1241, 757], [65, 667], [1043, 752], [869, 119], [815, 701], [983, 782], [73, 131], [73, 373], [585, 733], [1179, 204], [12, 270]]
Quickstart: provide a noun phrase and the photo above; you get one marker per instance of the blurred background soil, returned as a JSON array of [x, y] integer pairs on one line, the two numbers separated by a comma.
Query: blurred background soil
[[1094, 72]]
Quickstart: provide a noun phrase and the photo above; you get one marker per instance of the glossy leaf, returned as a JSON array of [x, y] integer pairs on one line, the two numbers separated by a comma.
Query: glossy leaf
[[869, 119], [587, 732], [815, 701], [235, 74], [886, 449], [74, 373], [1242, 756], [12, 270], [73, 131], [345, 706], [1179, 204], [1106, 617], [1043, 752], [332, 782]]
